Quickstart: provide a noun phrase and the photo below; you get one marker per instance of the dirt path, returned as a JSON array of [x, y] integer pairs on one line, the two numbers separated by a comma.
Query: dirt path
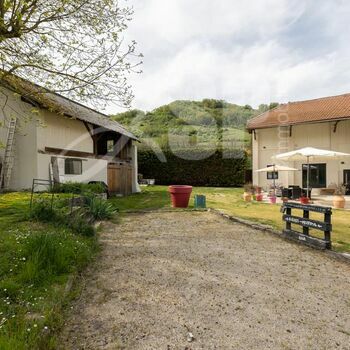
[[163, 275]]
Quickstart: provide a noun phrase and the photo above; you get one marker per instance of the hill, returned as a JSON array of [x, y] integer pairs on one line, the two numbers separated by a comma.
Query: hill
[[205, 124]]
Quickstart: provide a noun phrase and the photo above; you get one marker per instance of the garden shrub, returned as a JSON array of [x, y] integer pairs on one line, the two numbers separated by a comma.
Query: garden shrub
[[80, 221], [81, 225], [192, 167], [99, 209], [79, 188], [44, 212]]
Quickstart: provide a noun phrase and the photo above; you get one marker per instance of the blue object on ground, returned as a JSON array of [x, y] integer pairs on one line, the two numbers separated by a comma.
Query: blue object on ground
[[200, 201]]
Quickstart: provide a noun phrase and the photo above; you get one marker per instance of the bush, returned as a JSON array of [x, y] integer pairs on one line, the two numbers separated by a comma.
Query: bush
[[79, 222], [42, 211], [79, 188], [81, 225], [99, 209], [196, 169]]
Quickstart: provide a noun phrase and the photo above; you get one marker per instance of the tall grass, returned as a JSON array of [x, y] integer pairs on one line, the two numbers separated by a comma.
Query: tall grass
[[49, 255], [99, 209], [36, 262]]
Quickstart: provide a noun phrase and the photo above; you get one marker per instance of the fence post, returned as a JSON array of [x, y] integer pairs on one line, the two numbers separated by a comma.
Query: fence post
[[327, 234], [306, 215], [289, 224]]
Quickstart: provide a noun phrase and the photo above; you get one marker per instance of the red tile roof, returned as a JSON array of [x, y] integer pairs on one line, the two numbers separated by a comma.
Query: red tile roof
[[292, 113]]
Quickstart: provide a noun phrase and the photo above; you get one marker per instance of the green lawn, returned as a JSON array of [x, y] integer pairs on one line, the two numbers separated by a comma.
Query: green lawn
[[36, 261], [230, 201]]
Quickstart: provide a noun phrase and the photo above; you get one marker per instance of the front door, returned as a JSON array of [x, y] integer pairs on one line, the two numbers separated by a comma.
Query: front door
[[318, 175], [346, 180]]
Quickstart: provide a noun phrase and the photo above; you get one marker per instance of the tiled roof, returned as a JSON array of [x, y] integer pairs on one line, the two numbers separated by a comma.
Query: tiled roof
[[292, 113], [62, 105]]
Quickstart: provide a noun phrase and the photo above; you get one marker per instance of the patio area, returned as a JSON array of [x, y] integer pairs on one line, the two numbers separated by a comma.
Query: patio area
[[323, 200]]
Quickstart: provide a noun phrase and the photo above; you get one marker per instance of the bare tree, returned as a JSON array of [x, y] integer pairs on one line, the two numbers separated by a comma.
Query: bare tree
[[73, 47]]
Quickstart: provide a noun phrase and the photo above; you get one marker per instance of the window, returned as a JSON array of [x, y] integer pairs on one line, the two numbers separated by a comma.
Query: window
[[318, 175], [73, 166], [110, 146], [272, 175]]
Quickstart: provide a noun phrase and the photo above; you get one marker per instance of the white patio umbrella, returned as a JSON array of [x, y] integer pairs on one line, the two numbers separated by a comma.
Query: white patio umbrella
[[272, 169], [310, 153]]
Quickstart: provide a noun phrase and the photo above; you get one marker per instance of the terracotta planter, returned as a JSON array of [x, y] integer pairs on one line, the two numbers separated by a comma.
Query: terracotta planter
[[247, 197], [339, 202], [273, 200], [304, 200], [180, 195], [259, 197]]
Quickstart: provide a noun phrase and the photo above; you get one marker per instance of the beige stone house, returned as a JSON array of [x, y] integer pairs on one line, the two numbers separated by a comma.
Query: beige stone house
[[46, 136], [321, 123]]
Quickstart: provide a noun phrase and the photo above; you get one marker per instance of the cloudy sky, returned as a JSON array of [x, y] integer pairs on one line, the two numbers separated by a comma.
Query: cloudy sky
[[245, 52]]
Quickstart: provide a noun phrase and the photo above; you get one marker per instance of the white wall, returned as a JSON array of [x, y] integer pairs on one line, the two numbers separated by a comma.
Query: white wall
[[272, 141], [24, 168], [93, 169], [61, 132]]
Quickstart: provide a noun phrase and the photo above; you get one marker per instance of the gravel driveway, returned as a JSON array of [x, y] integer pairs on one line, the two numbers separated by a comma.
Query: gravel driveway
[[162, 276]]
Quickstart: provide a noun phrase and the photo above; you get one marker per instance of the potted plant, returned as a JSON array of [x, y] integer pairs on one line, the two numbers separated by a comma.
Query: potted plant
[[304, 199], [339, 199], [258, 194], [272, 198], [247, 195]]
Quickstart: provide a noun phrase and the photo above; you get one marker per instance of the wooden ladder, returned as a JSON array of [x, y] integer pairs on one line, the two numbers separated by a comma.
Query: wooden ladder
[[6, 169]]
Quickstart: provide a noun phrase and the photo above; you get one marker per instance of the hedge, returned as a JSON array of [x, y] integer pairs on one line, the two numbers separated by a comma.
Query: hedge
[[200, 170]]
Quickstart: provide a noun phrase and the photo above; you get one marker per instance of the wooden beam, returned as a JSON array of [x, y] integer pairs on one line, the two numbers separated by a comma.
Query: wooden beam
[[89, 129], [336, 126], [68, 152], [79, 154]]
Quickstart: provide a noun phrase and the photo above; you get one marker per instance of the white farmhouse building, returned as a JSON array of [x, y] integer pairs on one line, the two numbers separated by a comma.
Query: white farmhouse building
[[46, 136], [321, 123]]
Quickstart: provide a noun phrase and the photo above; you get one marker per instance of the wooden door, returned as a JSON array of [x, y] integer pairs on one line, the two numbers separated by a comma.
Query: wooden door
[[119, 178]]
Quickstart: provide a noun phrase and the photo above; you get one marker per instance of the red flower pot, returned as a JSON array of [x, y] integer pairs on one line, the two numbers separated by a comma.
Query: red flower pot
[[180, 195], [259, 197], [304, 200], [273, 200]]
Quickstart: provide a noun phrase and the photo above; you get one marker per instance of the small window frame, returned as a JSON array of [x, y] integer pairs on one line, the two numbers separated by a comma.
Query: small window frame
[[110, 144], [69, 168], [272, 175]]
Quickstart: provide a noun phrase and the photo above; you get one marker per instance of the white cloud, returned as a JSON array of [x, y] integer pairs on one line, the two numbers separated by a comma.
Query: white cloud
[[252, 52]]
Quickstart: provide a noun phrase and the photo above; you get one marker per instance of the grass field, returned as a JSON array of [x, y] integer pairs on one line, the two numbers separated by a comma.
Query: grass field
[[230, 201], [36, 261]]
